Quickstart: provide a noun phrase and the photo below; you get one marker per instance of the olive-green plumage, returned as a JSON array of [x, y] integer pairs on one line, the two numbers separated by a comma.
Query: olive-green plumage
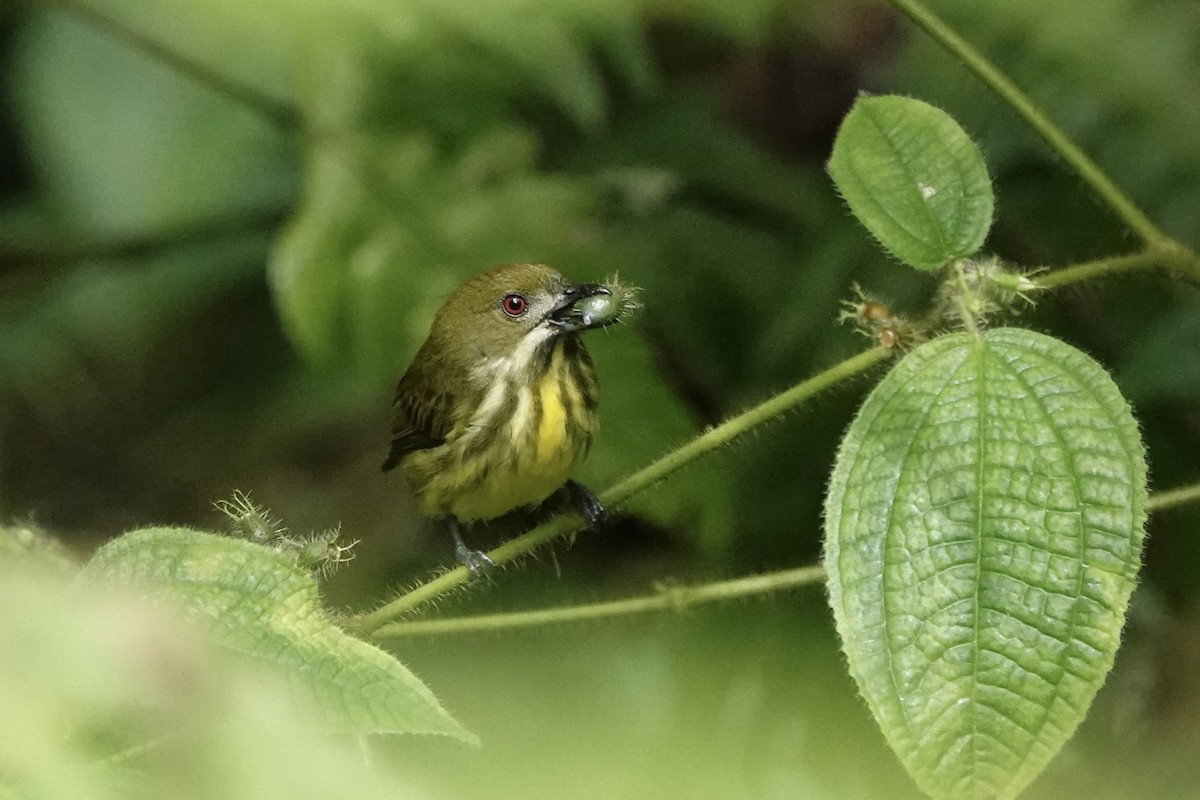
[[499, 404]]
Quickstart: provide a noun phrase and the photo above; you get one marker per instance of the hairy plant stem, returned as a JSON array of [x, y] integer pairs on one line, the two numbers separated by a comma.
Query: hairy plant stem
[[636, 483], [1020, 102], [664, 598], [671, 598], [1177, 261], [1172, 498], [961, 298]]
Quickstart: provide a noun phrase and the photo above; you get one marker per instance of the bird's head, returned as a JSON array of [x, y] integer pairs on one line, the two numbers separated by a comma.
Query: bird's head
[[516, 308]]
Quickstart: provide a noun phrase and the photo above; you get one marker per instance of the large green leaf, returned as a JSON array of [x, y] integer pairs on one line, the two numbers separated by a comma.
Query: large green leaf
[[914, 178], [259, 603], [984, 532]]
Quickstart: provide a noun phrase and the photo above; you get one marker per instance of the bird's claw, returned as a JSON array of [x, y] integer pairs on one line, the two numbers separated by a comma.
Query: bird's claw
[[476, 561], [586, 503]]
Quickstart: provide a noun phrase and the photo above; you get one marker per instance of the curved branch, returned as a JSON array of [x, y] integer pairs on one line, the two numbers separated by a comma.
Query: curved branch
[[1176, 260], [1059, 142], [664, 598], [672, 598]]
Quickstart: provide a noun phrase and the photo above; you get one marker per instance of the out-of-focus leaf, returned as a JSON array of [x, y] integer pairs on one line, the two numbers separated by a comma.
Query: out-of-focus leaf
[[984, 530], [540, 46], [716, 282], [371, 254], [122, 143], [679, 143], [914, 179], [27, 543], [259, 603], [97, 330], [750, 21], [109, 698]]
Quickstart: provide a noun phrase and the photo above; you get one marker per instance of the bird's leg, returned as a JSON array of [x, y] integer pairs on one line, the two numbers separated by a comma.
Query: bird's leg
[[476, 561], [585, 502]]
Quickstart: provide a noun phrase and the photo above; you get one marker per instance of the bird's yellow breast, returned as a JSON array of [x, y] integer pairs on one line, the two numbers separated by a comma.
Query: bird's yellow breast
[[550, 438], [519, 448]]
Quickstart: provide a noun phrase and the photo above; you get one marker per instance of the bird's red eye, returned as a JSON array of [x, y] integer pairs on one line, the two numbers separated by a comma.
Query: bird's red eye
[[514, 305]]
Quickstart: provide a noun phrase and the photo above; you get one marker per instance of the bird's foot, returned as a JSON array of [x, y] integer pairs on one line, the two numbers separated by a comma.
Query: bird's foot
[[586, 503], [476, 561]]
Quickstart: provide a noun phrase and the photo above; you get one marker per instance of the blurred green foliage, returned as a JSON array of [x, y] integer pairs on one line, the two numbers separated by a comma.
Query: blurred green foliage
[[193, 299], [108, 697], [258, 601]]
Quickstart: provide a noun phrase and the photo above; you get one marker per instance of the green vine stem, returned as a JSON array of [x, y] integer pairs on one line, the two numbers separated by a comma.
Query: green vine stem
[[1176, 260], [636, 483], [664, 598], [1020, 102], [962, 300], [671, 598], [1172, 498]]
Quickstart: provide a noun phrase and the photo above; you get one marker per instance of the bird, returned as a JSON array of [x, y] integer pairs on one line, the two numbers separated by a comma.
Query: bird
[[499, 405]]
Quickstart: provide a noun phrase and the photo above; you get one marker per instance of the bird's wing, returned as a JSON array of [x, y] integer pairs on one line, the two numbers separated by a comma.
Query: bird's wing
[[420, 418]]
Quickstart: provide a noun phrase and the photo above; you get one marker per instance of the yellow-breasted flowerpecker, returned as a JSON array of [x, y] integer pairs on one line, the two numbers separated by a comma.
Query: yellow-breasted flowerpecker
[[499, 405]]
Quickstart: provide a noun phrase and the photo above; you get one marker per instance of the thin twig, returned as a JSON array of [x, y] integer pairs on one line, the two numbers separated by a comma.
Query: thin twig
[[664, 598], [1059, 142], [671, 598], [1176, 260], [1171, 498]]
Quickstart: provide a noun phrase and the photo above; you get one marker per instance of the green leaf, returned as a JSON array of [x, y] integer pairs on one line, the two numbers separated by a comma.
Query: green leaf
[[258, 603], [543, 50], [984, 529], [914, 178]]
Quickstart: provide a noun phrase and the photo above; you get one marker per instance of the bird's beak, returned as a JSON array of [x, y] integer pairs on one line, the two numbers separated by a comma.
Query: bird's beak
[[570, 314]]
